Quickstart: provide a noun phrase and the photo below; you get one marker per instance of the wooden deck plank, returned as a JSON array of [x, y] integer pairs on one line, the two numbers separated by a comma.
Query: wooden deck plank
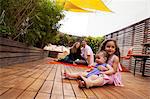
[[51, 76], [7, 78], [36, 85], [129, 93], [111, 89], [80, 98], [56, 96], [102, 93], [57, 88], [23, 72], [47, 87], [3, 90], [89, 94], [24, 84], [78, 92], [58, 76], [42, 96], [12, 72], [28, 73], [37, 74], [68, 91], [45, 74], [27, 95], [12, 82], [40, 80], [4, 70], [69, 97], [11, 94]]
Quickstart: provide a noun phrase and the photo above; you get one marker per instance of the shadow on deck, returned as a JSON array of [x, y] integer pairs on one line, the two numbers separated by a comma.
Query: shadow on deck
[[41, 80]]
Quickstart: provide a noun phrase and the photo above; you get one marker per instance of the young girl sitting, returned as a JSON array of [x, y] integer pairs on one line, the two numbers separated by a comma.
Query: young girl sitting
[[112, 77], [95, 71]]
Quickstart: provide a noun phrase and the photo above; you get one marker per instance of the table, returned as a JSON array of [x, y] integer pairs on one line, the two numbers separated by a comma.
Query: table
[[54, 54], [141, 57], [146, 47]]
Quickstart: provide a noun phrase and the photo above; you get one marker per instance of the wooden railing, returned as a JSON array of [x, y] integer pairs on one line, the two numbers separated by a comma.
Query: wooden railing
[[13, 52]]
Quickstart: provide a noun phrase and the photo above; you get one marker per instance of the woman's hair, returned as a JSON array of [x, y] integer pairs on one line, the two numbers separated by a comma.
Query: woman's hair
[[73, 48], [102, 48]]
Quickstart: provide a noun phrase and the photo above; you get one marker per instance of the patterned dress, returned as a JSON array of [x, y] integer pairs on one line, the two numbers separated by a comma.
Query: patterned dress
[[114, 78]]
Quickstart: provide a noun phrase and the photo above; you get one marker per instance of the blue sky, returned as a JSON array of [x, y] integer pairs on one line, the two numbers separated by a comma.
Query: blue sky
[[125, 13]]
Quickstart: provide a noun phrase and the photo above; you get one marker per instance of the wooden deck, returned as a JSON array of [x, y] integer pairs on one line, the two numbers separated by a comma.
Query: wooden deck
[[40, 80]]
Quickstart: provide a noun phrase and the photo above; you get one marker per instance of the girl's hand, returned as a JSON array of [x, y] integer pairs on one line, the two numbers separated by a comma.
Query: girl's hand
[[110, 70], [88, 70], [102, 68]]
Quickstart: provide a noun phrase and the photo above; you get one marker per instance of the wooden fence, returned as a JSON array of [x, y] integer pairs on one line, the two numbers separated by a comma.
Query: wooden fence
[[13, 52], [133, 36]]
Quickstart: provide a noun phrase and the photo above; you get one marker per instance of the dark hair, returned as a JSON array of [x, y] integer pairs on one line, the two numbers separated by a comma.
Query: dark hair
[[73, 48], [102, 48]]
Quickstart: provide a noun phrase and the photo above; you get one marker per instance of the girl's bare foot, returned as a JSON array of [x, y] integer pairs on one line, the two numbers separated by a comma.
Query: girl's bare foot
[[82, 84], [66, 75], [88, 82]]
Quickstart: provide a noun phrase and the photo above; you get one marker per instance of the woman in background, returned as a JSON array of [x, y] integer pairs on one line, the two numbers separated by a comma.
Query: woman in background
[[75, 54]]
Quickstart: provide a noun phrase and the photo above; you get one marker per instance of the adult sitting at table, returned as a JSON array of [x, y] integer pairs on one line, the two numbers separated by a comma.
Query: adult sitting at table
[[75, 54]]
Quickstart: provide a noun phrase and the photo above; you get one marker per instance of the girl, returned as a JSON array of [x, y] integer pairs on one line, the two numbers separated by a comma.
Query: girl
[[110, 46], [93, 74]]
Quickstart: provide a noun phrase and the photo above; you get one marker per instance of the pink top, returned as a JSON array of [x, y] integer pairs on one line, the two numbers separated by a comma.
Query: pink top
[[114, 78]]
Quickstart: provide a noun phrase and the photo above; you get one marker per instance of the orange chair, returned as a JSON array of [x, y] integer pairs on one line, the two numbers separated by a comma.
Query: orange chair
[[129, 55]]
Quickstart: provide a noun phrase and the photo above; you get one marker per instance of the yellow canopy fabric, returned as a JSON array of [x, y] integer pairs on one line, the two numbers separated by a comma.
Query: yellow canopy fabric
[[71, 7], [83, 5], [91, 4]]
